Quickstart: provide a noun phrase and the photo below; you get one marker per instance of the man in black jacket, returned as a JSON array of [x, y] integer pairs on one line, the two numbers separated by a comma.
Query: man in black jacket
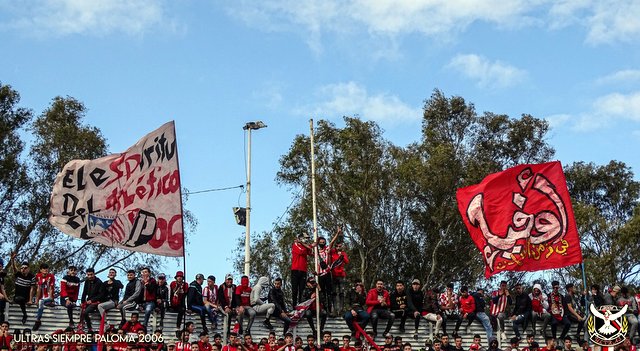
[[309, 292], [276, 297], [91, 296], [110, 292], [521, 310], [226, 299], [195, 301], [417, 298], [162, 297], [357, 298]]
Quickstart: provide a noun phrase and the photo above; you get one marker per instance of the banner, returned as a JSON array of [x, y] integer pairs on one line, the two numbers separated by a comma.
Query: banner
[[129, 200], [521, 219], [299, 310]]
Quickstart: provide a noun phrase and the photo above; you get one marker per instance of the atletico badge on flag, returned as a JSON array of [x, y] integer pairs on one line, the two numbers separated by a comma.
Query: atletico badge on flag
[[521, 219]]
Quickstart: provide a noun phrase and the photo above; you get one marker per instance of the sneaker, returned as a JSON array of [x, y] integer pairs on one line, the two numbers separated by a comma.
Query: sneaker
[[415, 334], [267, 324], [503, 336], [24, 319], [36, 326]]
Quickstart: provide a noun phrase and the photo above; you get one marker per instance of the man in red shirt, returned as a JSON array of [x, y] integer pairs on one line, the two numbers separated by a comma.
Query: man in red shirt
[[346, 340], [44, 294], [299, 253], [243, 296], [233, 344], [5, 336], [550, 344], [378, 302], [203, 344], [467, 308], [133, 325], [177, 293], [69, 291], [339, 259], [249, 345]]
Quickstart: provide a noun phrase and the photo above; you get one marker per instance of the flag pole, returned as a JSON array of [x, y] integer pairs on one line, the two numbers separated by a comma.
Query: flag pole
[[586, 297], [315, 226], [184, 247]]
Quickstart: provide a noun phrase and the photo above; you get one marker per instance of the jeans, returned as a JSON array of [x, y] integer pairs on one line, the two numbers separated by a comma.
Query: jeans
[[212, 313], [498, 321], [633, 324], [338, 294], [105, 306], [363, 319], [381, 313], [148, 306], [88, 309], [249, 312], [520, 320], [69, 308], [566, 326], [326, 289], [202, 311], [41, 304], [311, 314], [544, 316], [470, 317], [402, 314], [436, 318], [486, 323]]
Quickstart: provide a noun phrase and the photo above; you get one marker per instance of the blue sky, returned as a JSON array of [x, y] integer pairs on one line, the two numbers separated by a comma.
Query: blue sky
[[213, 65]]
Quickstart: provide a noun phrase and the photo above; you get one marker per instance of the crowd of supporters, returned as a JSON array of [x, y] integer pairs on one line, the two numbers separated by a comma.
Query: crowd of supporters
[[143, 294]]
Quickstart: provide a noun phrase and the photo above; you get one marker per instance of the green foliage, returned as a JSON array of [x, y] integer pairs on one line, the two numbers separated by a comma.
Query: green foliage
[[13, 172], [396, 204], [607, 212]]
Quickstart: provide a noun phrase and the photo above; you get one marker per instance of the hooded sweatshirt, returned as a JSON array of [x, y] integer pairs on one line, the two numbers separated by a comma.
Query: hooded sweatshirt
[[243, 292], [263, 282], [539, 304]]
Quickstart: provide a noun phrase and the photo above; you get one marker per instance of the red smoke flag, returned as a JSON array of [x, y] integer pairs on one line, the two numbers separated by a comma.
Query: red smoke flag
[[521, 219], [129, 200]]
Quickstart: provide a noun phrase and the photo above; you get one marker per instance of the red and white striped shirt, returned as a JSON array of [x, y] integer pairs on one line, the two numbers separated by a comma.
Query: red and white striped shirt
[[501, 305], [45, 283], [210, 294], [446, 300]]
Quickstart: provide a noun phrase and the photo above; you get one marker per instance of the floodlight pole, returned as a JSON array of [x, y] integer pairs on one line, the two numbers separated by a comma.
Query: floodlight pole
[[249, 126]]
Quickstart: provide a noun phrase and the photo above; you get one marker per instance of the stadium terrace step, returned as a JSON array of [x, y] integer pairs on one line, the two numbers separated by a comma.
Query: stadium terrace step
[[55, 319]]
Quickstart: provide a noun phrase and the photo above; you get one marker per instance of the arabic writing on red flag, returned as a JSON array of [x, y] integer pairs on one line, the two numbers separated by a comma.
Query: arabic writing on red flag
[[521, 219], [129, 200]]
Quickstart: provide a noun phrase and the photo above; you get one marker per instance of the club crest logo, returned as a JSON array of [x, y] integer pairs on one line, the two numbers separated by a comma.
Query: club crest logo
[[607, 325]]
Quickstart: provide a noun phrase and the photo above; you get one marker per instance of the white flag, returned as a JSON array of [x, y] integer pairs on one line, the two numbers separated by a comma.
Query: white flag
[[129, 200]]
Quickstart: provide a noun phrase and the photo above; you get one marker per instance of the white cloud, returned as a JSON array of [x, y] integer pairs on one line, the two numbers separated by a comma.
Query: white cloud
[[624, 76], [608, 108], [557, 120], [606, 21], [487, 74], [96, 17], [619, 106], [382, 19], [351, 99]]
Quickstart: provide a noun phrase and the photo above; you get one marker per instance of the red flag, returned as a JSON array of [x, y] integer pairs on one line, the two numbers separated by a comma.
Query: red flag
[[521, 219]]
